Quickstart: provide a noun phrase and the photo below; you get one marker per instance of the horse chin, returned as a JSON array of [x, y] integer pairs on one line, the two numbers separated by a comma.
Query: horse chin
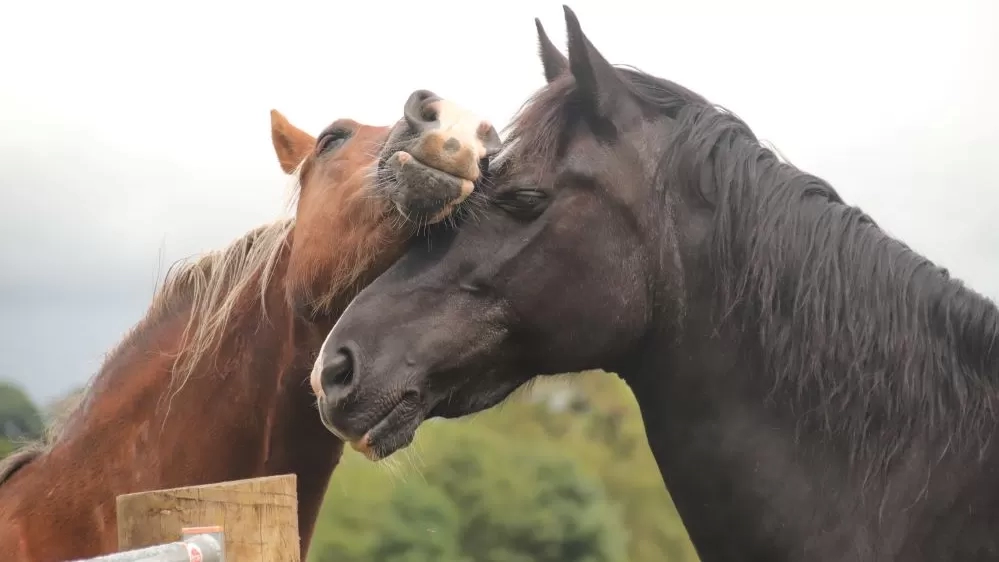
[[397, 429], [421, 193], [393, 432]]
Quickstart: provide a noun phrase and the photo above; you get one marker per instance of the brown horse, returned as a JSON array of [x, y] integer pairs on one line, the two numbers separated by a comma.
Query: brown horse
[[212, 385]]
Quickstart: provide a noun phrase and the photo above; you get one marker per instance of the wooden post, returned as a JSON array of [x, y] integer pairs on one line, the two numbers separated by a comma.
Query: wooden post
[[259, 517]]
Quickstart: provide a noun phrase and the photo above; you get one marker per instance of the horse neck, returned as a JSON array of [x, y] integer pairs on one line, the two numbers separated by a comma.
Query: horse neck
[[817, 353], [244, 410], [827, 300]]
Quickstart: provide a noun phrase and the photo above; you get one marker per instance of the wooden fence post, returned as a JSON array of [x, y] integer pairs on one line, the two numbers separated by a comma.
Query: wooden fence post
[[259, 517]]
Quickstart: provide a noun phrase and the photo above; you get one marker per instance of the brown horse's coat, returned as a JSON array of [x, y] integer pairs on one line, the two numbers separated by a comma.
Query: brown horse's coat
[[212, 385]]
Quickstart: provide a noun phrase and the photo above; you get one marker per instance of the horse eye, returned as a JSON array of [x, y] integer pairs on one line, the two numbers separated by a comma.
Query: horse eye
[[331, 140], [529, 197], [526, 203]]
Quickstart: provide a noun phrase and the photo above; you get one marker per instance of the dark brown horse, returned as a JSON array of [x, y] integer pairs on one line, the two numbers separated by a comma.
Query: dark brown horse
[[212, 385], [812, 389]]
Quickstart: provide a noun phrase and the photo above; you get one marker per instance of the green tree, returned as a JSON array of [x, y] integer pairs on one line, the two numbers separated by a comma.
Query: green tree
[[423, 525], [519, 502], [601, 428], [6, 447], [19, 418]]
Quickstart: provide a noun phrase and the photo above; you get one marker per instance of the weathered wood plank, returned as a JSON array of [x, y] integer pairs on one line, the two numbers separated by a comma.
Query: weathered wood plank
[[259, 517]]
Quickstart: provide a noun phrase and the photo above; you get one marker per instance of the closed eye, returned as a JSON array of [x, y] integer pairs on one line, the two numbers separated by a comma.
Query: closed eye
[[331, 139], [523, 203]]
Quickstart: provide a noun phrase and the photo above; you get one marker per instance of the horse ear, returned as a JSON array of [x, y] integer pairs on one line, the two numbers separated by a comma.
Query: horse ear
[[596, 79], [552, 59], [291, 144]]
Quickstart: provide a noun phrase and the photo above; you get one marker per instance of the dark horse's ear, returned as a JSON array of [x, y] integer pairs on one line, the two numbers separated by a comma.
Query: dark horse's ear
[[596, 79], [552, 59]]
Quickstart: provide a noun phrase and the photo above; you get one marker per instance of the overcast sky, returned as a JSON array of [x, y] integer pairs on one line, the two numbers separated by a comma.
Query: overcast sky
[[133, 134]]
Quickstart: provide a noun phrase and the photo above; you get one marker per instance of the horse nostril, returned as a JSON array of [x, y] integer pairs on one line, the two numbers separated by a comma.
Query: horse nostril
[[337, 375], [420, 111]]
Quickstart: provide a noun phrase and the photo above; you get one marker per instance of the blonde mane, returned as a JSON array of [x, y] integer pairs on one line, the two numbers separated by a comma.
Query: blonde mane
[[209, 287]]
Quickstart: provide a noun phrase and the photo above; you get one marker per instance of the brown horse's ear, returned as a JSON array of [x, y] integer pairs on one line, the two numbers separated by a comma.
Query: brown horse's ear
[[596, 79], [291, 144], [552, 59]]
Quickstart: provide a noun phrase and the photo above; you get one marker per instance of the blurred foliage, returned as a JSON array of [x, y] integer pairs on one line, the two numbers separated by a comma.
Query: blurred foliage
[[20, 419], [6, 447], [561, 472]]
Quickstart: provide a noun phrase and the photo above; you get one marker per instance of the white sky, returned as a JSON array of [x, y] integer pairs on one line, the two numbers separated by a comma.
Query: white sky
[[133, 134]]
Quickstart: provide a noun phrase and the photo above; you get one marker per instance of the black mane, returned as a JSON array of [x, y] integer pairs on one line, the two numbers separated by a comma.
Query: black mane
[[868, 341]]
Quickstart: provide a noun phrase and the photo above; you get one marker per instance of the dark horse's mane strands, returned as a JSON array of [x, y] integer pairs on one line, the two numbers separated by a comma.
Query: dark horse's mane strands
[[869, 341]]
